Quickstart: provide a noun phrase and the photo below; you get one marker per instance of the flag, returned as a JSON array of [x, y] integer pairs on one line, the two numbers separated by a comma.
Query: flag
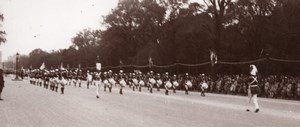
[[98, 66], [121, 63], [42, 66], [213, 57], [157, 40], [150, 61], [62, 66]]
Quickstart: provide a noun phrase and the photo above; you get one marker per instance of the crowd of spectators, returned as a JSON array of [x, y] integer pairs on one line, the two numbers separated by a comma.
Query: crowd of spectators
[[272, 86]]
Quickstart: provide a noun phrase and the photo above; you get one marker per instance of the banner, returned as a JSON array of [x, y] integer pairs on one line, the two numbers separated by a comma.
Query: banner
[[98, 66], [42, 66]]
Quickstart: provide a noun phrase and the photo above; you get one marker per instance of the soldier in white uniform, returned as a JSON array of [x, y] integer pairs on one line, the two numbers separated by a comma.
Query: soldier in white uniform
[[253, 87], [167, 83], [97, 81], [89, 79], [121, 80]]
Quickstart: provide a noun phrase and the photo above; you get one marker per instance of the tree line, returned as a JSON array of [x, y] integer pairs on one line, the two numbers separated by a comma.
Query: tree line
[[179, 31]]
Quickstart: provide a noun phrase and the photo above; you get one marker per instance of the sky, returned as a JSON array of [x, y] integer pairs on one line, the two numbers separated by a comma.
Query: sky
[[48, 24]]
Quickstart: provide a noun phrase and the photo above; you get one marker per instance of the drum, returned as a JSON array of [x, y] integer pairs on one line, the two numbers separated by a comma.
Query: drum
[[159, 82], [122, 83], [168, 84], [106, 82], [189, 83], [135, 81], [204, 85], [152, 81], [141, 83], [176, 84], [112, 81]]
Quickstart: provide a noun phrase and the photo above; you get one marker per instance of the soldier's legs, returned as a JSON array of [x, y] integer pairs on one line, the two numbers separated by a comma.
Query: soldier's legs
[[1, 88], [186, 89], [167, 91], [110, 87], [97, 90], [121, 90], [254, 100], [62, 90]]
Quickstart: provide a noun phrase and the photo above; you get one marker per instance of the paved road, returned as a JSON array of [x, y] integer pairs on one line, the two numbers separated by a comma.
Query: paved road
[[26, 105]]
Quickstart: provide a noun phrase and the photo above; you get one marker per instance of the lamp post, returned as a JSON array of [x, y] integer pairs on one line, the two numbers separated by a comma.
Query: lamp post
[[17, 65]]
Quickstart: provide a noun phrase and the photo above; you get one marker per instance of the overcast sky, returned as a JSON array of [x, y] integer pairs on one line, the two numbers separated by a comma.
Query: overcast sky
[[48, 24]]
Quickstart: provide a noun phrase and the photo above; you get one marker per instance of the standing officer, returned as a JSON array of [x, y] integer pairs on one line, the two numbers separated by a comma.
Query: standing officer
[[253, 87], [1, 83]]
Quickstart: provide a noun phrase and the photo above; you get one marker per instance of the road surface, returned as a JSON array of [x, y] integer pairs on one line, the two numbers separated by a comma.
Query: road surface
[[26, 105]]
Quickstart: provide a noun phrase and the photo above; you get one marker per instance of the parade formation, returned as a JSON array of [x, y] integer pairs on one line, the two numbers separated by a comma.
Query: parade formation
[[55, 79], [107, 80]]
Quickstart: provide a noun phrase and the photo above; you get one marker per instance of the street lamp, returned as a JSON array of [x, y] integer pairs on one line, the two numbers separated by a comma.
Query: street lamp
[[17, 65]]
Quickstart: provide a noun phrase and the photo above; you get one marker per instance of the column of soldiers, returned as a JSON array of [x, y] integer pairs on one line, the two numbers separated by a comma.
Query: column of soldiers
[[137, 80], [55, 79]]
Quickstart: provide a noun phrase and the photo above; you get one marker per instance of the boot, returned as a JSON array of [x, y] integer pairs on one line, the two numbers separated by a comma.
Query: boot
[[121, 92], [174, 91], [62, 90], [186, 92], [167, 92], [110, 89], [140, 89], [150, 90]]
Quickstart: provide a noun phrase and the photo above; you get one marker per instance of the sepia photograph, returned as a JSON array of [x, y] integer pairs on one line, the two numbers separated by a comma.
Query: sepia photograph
[[149, 63]]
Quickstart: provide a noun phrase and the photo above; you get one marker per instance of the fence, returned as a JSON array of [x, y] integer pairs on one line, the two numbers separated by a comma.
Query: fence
[[265, 66]]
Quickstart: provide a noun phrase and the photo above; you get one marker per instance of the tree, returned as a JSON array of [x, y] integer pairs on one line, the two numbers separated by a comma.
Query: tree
[[2, 33], [218, 10]]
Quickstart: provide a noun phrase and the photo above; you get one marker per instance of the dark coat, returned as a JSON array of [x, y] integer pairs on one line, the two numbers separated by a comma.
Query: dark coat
[[1, 79]]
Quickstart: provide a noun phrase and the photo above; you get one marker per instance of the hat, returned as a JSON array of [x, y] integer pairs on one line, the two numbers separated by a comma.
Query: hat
[[253, 70]]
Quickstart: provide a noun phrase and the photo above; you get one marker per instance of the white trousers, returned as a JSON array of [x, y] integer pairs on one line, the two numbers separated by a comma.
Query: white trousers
[[254, 100], [98, 84]]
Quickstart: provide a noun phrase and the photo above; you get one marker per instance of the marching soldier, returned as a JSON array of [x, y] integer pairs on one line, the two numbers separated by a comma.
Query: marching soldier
[[188, 84], [122, 81], [152, 81], [140, 81], [97, 81], [104, 79], [111, 80], [167, 83], [134, 81], [89, 78], [74, 78], [203, 86], [46, 79], [79, 78], [175, 83], [158, 81], [253, 87]]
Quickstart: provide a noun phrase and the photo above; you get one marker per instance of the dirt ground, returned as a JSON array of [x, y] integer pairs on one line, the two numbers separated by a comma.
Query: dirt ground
[[26, 105]]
